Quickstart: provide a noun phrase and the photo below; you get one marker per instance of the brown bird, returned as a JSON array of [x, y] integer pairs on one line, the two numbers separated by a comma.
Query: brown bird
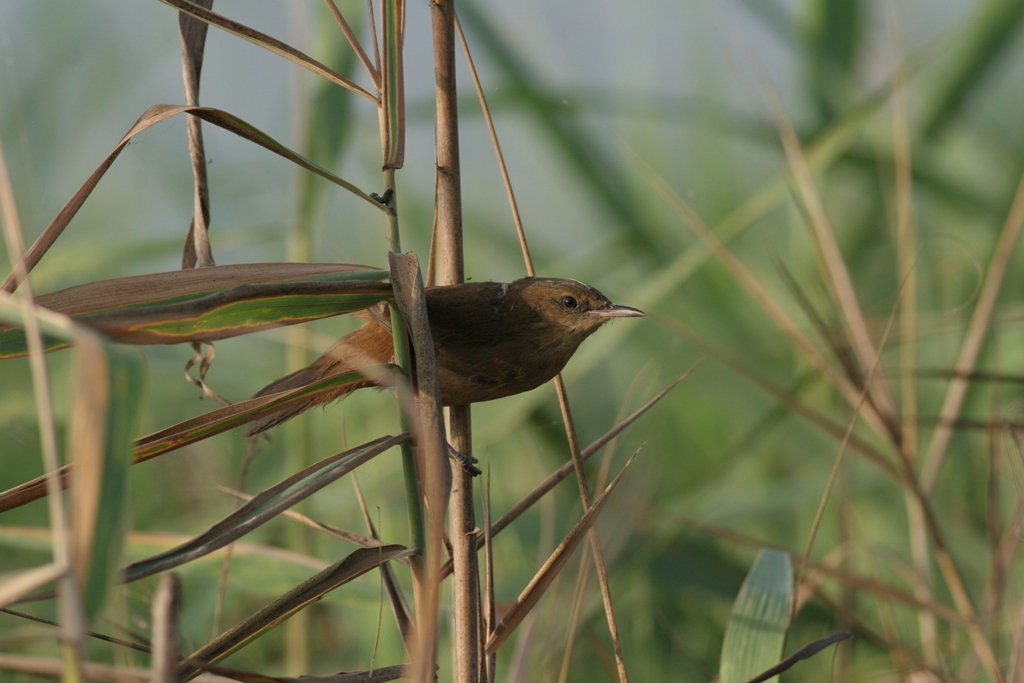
[[492, 340]]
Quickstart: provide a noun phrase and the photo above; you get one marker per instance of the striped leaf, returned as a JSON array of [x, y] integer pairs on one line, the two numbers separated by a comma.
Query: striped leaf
[[208, 304]]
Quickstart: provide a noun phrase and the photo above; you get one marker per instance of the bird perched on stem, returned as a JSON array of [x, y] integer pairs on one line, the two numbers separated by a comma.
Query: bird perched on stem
[[492, 340]]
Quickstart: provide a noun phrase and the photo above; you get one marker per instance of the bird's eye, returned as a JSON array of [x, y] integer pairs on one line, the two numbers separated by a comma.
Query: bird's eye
[[570, 302]]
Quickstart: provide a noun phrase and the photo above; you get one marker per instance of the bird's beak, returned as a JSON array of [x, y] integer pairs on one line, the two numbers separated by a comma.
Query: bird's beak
[[616, 311]]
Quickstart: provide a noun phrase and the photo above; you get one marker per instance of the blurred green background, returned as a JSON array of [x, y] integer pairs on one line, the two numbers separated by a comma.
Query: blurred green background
[[584, 96]]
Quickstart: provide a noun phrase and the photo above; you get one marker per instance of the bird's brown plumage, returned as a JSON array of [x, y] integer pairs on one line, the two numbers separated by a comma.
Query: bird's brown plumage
[[492, 340]]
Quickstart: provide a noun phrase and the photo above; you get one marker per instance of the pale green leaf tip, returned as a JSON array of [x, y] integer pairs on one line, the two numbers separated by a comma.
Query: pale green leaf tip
[[756, 634]]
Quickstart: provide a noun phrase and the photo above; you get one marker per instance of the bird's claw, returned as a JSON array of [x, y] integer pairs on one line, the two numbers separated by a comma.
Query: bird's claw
[[383, 199], [468, 462]]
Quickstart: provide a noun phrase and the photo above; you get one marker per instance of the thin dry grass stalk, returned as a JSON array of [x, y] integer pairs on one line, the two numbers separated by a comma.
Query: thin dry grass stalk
[[197, 249], [399, 605], [448, 263], [150, 117], [392, 97], [833, 264], [432, 463], [772, 308], [489, 602], [70, 607], [262, 508], [371, 69], [542, 580], [559, 385], [193, 45], [189, 431], [314, 588], [165, 611], [977, 331], [565, 470], [817, 418], [834, 473], [493, 132], [881, 419], [595, 541], [582, 574], [91, 671], [906, 247], [871, 585], [911, 662], [272, 44], [20, 584]]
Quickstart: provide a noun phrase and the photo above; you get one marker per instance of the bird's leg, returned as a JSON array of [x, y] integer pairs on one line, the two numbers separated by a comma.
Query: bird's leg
[[468, 462], [382, 199]]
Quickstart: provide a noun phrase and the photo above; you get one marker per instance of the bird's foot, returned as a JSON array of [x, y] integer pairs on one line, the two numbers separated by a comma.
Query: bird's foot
[[382, 199], [468, 462]]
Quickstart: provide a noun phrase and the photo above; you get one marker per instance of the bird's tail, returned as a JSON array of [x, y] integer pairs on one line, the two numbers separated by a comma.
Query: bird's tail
[[295, 380], [358, 350]]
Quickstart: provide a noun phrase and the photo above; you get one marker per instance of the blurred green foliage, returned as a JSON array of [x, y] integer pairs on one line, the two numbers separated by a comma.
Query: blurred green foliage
[[579, 92]]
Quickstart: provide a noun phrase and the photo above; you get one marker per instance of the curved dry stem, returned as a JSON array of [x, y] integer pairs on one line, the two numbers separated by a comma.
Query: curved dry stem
[[266, 42], [513, 205]]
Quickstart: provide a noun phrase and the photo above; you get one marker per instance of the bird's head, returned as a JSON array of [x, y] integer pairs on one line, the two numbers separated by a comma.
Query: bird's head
[[572, 308]]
